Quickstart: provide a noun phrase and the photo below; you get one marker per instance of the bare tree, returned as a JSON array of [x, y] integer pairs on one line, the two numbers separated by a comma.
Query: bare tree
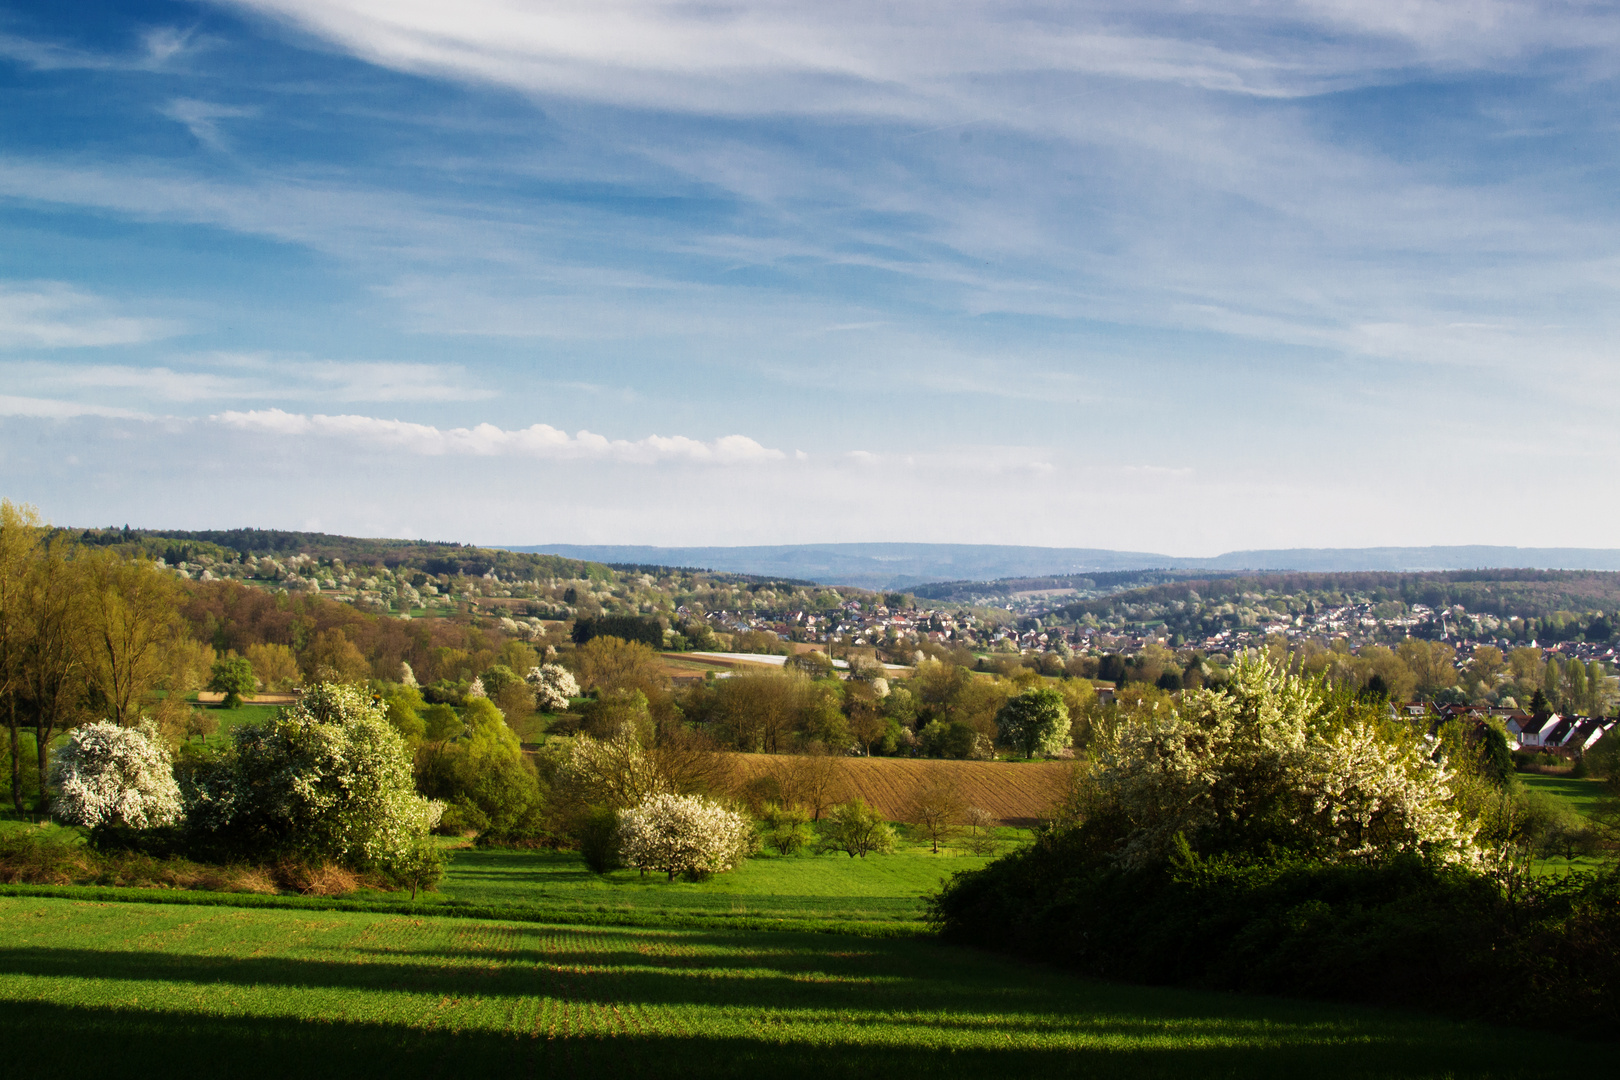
[[981, 839], [815, 781], [936, 807], [759, 711]]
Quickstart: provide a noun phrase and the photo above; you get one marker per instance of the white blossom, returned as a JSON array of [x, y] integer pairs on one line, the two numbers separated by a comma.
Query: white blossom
[[1264, 753], [111, 775], [613, 772], [407, 677], [554, 686], [330, 775], [683, 834], [476, 690]]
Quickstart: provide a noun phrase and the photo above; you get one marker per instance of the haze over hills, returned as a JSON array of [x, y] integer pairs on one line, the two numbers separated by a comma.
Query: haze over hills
[[899, 566]]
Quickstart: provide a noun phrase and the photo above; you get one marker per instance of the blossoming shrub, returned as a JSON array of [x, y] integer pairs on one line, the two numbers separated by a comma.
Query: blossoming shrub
[[1266, 764], [554, 687], [111, 775], [683, 834], [328, 779], [1264, 837]]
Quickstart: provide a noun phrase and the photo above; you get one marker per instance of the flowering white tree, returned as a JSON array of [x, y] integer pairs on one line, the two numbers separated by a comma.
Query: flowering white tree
[[614, 772], [554, 686], [329, 777], [1264, 763], [476, 690], [111, 775], [683, 834]]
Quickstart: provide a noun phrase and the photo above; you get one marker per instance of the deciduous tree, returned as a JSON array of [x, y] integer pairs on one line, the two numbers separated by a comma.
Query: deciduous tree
[[857, 830], [130, 622], [233, 677], [112, 775], [1036, 722], [936, 806], [683, 834], [610, 663], [21, 532]]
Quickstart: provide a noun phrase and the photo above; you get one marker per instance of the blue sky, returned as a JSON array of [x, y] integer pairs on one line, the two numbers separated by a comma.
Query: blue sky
[[1180, 277]]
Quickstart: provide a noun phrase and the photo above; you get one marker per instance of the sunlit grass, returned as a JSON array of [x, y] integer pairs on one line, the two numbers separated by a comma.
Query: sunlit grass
[[805, 886], [144, 989]]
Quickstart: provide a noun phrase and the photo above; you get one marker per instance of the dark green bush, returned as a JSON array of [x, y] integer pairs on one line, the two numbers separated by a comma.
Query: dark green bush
[[598, 838], [1402, 932]]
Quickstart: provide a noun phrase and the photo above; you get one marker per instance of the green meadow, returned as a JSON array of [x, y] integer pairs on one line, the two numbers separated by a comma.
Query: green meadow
[[886, 888], [1582, 796], [151, 990]]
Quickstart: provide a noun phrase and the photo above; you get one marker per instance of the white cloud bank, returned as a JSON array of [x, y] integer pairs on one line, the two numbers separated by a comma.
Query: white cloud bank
[[487, 440]]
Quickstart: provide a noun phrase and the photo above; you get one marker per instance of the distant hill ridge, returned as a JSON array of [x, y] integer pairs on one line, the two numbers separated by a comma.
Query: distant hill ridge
[[901, 566]]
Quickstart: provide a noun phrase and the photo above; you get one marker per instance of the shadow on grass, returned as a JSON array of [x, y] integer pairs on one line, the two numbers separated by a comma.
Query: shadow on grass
[[884, 996], [605, 976], [46, 1041]]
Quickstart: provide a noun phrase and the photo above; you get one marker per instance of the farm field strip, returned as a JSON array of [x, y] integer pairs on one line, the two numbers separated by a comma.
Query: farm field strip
[[374, 993], [1015, 793]]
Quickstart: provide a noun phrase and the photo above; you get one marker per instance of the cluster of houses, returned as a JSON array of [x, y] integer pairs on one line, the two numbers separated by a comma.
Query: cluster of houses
[[1558, 734], [860, 624]]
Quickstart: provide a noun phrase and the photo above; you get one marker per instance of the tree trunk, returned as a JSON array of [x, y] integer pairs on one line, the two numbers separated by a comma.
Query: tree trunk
[[42, 745], [16, 754]]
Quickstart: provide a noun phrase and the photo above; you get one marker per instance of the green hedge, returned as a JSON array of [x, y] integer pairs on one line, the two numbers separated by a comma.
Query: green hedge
[[1402, 932]]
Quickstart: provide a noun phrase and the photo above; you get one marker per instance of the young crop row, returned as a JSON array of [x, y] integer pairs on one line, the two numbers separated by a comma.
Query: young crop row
[[143, 990]]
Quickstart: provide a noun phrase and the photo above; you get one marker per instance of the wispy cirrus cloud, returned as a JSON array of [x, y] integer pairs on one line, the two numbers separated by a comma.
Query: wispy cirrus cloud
[[250, 377], [925, 60], [55, 315], [487, 440], [202, 118], [52, 409], [156, 48]]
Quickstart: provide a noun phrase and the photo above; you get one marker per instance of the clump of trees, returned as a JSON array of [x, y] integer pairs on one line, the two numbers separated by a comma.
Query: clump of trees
[[1277, 836], [1268, 763], [328, 779]]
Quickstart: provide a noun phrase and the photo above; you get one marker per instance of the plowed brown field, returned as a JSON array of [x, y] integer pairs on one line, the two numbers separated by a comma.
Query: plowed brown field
[[1017, 794]]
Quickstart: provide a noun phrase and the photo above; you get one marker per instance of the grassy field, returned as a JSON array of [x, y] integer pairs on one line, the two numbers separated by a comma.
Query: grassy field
[[1582, 796], [143, 990], [829, 888], [1017, 793], [879, 894]]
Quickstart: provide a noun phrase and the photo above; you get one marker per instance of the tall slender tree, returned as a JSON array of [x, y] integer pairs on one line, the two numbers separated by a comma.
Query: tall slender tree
[[54, 661], [20, 535], [130, 608]]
